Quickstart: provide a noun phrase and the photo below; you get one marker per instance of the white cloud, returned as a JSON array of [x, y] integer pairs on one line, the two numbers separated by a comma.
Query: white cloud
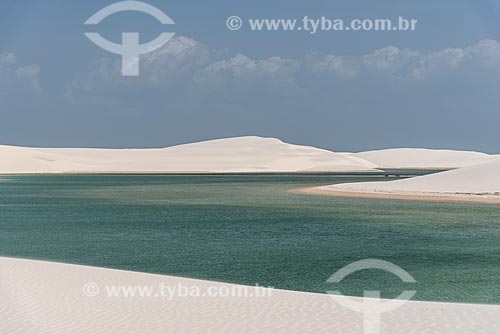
[[179, 47], [237, 65], [391, 58], [16, 78], [29, 73], [241, 66], [335, 65], [485, 53], [404, 63], [240, 73], [7, 59]]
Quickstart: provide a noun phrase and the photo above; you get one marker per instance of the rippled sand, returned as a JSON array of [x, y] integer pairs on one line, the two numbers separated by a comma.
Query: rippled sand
[[44, 297]]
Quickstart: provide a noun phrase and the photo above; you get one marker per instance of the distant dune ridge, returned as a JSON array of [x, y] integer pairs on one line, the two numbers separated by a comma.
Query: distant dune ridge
[[424, 158], [477, 173], [231, 155], [249, 154]]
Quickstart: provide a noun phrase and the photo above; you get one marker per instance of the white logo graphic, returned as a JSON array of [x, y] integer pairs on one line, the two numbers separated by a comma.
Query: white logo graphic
[[130, 49], [371, 306], [91, 289], [234, 23]]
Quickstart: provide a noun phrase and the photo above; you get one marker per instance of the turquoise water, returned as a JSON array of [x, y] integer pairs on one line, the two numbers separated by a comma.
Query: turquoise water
[[249, 229]]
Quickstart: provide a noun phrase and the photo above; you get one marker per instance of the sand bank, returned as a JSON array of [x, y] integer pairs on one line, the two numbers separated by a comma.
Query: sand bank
[[478, 183], [408, 196]]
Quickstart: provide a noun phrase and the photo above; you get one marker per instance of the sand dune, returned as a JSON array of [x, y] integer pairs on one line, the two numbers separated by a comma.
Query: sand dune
[[240, 154], [474, 183], [415, 158], [230, 155], [51, 298]]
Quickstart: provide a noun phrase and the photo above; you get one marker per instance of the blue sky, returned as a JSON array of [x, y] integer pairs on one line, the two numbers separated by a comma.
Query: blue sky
[[435, 87]]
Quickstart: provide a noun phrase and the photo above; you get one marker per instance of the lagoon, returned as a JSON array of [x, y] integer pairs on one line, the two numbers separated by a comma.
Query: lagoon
[[250, 229]]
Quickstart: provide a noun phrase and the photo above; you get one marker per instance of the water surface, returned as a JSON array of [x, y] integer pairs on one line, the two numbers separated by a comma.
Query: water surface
[[249, 229]]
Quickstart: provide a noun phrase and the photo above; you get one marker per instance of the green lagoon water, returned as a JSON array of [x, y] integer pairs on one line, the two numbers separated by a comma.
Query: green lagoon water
[[249, 229]]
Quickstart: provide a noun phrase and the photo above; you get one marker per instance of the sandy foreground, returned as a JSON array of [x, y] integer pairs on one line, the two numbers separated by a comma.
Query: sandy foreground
[[44, 297]]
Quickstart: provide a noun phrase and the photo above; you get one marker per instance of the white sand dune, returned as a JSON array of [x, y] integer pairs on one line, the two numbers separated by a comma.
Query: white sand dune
[[240, 154], [416, 158], [249, 154], [49, 298], [478, 182]]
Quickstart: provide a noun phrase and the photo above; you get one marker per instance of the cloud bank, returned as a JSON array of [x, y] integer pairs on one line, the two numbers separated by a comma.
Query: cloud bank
[[184, 60]]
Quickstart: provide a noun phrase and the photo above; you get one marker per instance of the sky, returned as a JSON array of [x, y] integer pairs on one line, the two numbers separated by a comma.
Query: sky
[[435, 87]]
